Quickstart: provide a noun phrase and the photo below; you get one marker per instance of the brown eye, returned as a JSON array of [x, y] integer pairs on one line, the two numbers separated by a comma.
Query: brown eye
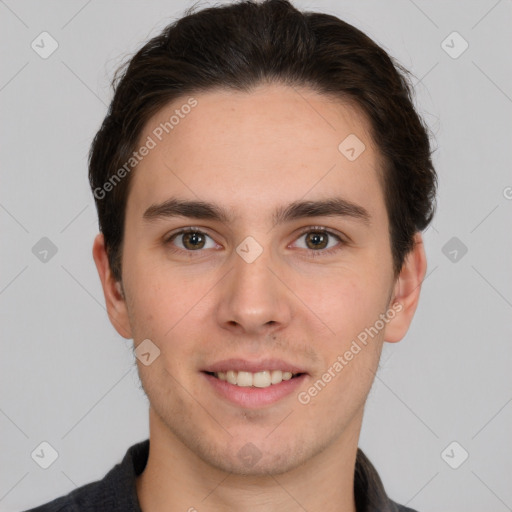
[[191, 240], [316, 240]]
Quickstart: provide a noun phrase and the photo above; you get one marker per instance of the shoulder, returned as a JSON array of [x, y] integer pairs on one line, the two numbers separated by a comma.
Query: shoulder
[[369, 490], [400, 508], [86, 498], [116, 491]]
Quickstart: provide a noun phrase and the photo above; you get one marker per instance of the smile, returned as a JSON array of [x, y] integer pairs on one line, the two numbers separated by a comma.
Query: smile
[[262, 379]]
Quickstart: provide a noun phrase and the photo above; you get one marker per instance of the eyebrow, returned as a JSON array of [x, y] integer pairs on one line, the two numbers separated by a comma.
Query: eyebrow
[[331, 207]]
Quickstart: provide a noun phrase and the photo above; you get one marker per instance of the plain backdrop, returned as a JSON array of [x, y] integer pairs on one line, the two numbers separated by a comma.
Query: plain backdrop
[[68, 379]]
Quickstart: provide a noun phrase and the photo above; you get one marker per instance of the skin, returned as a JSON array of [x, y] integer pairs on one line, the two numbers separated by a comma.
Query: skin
[[252, 152]]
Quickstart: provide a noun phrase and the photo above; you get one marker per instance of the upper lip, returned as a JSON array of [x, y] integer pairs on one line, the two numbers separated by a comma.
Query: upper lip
[[245, 365]]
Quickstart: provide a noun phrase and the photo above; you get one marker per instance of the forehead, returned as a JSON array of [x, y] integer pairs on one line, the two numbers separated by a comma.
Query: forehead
[[271, 145]]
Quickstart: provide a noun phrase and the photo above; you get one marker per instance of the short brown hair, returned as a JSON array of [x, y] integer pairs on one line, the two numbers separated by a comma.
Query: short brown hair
[[241, 45]]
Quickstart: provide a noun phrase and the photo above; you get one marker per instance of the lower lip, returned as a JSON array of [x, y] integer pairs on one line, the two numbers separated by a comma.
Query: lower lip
[[252, 397]]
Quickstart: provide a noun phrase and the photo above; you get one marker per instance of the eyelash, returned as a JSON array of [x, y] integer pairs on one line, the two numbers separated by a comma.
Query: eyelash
[[309, 229]]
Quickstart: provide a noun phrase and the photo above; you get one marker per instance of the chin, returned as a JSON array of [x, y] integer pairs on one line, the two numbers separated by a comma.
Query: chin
[[250, 461]]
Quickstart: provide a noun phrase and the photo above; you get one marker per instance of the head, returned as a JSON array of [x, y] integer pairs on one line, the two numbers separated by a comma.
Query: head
[[245, 110]]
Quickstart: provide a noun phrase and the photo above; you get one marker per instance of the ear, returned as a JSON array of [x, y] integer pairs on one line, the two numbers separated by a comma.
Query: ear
[[406, 293], [112, 290]]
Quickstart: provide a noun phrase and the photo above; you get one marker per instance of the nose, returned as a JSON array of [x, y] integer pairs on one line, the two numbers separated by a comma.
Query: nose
[[253, 300]]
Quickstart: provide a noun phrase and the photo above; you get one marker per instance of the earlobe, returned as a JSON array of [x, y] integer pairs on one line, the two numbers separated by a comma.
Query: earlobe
[[407, 291], [112, 289]]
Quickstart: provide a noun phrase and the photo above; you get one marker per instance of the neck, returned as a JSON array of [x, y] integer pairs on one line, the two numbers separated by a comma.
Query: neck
[[175, 478]]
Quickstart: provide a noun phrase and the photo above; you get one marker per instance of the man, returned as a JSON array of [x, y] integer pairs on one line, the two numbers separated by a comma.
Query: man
[[262, 180]]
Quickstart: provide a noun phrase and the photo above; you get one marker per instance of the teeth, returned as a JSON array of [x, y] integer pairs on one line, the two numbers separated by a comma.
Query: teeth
[[276, 376], [261, 379], [244, 379]]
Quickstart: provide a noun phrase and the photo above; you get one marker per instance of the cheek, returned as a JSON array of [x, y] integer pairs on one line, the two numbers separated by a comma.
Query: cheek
[[347, 300], [152, 291], [165, 308], [350, 305], [152, 306], [351, 355]]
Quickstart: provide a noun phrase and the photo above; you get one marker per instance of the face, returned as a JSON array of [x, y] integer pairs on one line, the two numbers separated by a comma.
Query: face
[[262, 287]]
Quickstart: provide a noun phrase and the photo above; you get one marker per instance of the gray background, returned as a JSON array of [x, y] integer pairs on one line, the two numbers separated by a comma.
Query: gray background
[[68, 379]]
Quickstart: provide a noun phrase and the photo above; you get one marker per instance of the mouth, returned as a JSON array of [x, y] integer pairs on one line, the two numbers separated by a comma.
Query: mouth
[[261, 379], [251, 384]]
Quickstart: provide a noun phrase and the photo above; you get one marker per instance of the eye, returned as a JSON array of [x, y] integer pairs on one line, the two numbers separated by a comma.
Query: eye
[[319, 241], [190, 239]]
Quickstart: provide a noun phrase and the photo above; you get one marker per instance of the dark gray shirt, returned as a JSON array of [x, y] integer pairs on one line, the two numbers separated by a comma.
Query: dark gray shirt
[[117, 492]]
